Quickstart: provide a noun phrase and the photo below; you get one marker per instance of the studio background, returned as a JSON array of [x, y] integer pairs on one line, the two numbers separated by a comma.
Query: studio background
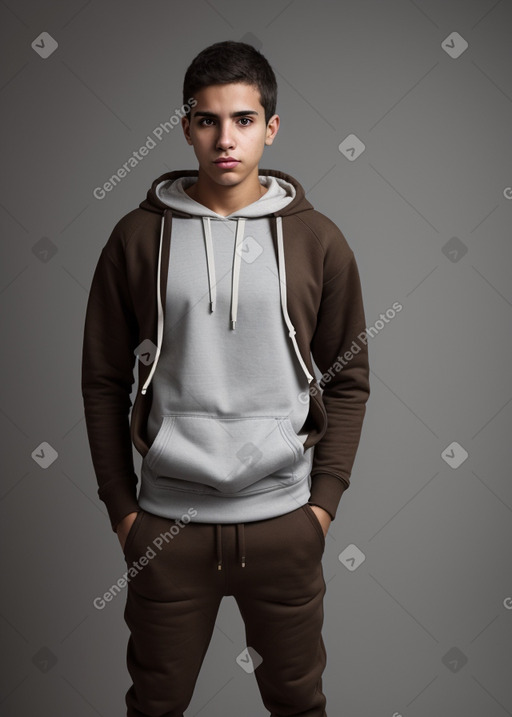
[[423, 624]]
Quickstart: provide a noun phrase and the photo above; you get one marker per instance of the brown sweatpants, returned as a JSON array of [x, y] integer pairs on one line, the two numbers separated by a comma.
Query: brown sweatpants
[[274, 571]]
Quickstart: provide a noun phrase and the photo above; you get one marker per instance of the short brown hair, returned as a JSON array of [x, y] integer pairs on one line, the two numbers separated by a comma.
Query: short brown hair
[[225, 62]]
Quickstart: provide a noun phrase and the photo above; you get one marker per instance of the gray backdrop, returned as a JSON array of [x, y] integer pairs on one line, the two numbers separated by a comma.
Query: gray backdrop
[[418, 611]]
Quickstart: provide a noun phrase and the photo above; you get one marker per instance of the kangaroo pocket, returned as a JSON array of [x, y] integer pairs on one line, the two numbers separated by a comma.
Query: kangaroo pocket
[[227, 454]]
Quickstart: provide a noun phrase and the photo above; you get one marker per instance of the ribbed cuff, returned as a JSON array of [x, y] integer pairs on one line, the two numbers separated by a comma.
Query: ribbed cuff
[[326, 492], [120, 500]]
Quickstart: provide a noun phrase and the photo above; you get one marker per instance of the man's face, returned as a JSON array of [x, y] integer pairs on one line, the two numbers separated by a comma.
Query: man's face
[[229, 121]]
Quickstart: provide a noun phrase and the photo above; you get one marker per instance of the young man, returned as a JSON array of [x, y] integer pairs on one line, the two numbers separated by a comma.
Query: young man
[[225, 282]]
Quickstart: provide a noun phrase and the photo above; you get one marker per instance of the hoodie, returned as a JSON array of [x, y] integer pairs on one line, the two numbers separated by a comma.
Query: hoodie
[[230, 389], [225, 316]]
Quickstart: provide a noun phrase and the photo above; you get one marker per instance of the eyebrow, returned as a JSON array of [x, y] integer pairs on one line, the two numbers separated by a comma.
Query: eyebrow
[[242, 113]]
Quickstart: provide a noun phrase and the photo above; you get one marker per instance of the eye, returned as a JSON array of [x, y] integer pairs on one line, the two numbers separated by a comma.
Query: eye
[[203, 120], [246, 119]]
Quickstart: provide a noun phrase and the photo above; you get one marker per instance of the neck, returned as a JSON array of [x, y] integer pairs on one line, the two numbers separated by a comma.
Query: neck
[[226, 200]]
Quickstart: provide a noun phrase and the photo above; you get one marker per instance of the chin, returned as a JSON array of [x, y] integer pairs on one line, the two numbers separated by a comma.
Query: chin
[[228, 181]]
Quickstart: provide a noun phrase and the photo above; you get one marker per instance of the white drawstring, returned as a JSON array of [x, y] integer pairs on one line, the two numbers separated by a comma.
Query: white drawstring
[[235, 273], [160, 321], [282, 286], [210, 264]]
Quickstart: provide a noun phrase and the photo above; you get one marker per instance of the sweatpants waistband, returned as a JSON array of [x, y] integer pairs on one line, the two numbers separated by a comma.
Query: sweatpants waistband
[[235, 537]]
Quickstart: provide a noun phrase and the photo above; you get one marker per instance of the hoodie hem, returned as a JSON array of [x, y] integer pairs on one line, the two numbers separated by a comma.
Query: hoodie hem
[[224, 508]]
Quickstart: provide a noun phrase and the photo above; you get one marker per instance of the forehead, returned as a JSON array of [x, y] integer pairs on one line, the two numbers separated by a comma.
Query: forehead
[[236, 96]]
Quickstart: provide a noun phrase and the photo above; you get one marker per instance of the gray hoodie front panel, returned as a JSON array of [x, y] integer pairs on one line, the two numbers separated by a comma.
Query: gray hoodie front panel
[[228, 404]]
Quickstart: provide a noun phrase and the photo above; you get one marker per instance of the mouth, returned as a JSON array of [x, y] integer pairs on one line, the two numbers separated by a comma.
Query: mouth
[[226, 162]]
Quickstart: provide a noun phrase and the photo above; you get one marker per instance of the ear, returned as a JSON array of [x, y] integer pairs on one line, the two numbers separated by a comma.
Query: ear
[[186, 129], [272, 127]]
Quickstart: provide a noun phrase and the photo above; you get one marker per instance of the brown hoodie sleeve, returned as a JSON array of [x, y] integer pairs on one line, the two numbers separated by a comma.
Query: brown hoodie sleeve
[[110, 337], [339, 350]]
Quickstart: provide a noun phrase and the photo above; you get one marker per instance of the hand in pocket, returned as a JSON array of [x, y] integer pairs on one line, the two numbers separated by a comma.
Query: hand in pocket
[[323, 517], [124, 527]]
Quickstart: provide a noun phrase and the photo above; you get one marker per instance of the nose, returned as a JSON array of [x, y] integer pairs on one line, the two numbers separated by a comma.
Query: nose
[[225, 139]]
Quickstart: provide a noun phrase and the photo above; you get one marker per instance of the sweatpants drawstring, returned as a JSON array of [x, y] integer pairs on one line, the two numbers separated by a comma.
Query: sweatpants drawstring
[[219, 546], [240, 539]]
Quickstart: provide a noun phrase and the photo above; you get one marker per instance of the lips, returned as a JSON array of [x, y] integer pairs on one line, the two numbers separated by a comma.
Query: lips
[[226, 162]]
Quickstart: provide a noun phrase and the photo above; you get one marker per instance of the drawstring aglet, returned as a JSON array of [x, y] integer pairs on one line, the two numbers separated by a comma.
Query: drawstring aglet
[[233, 324], [243, 561], [212, 307], [219, 565]]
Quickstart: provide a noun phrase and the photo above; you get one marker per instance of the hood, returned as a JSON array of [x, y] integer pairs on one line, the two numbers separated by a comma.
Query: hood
[[153, 202], [279, 193], [167, 196]]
